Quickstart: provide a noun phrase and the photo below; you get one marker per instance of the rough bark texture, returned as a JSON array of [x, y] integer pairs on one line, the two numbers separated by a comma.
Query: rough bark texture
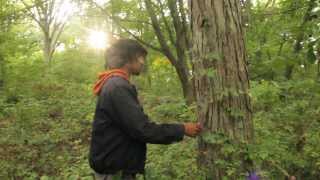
[[221, 81]]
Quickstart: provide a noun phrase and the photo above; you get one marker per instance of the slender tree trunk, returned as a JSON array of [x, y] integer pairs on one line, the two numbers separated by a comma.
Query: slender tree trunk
[[221, 86], [186, 83], [2, 73], [179, 61], [47, 49], [48, 45], [247, 6], [318, 64]]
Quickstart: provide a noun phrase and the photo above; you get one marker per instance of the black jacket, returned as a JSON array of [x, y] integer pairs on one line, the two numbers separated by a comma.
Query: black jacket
[[121, 130]]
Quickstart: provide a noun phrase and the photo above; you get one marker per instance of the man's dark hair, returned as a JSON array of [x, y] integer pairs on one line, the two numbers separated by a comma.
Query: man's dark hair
[[123, 51]]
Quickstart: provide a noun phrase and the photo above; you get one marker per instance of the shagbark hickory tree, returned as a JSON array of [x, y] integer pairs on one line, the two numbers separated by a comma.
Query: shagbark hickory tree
[[221, 86]]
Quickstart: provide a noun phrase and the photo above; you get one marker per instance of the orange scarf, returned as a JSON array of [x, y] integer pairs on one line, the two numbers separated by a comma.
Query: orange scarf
[[104, 76]]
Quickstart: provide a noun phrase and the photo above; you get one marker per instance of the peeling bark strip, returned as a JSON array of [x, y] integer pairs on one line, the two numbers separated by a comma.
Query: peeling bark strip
[[221, 81]]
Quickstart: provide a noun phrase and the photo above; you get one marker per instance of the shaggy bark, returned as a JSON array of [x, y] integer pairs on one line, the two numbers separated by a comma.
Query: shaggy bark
[[221, 82]]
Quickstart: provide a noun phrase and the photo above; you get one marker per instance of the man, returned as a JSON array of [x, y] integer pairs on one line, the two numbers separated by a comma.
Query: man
[[120, 128]]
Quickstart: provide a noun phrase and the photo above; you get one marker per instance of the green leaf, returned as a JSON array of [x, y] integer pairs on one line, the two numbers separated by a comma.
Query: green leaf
[[214, 56], [211, 72]]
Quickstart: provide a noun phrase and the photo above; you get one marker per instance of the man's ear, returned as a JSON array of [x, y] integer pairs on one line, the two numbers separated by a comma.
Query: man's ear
[[141, 60]]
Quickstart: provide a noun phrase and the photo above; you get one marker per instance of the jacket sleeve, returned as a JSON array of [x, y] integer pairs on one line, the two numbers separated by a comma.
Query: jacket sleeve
[[135, 122]]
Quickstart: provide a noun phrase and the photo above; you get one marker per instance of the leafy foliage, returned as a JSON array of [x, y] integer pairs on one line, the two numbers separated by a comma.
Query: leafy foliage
[[46, 113]]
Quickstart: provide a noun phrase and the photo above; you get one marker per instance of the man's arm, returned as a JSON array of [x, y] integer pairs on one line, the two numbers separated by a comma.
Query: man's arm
[[135, 122]]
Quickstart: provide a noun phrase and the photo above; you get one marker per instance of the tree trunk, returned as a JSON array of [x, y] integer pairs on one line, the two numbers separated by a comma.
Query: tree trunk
[[47, 49], [2, 73], [221, 87], [179, 61], [45, 14], [186, 83]]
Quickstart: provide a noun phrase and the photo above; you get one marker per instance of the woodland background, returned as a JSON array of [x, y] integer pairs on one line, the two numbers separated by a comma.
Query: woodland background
[[48, 67]]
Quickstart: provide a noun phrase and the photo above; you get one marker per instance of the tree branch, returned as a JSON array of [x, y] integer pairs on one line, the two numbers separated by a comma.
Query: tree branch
[[168, 28], [116, 21], [184, 24], [28, 8], [156, 27], [181, 36]]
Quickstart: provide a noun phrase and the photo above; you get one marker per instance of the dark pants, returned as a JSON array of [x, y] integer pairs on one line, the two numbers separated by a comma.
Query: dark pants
[[112, 177]]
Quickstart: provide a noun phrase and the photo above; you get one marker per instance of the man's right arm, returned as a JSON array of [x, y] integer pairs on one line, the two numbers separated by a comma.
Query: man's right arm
[[133, 120]]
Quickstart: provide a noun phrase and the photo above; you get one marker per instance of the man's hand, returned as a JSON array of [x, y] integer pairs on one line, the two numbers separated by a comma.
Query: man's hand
[[192, 129]]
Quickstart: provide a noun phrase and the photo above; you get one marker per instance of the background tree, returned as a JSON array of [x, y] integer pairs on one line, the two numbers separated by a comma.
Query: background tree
[[221, 85], [178, 38], [9, 15], [169, 24], [50, 115], [51, 16], [272, 35], [4, 27], [301, 33]]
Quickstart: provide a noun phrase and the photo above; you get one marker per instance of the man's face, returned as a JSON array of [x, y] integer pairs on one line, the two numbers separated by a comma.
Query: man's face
[[136, 67]]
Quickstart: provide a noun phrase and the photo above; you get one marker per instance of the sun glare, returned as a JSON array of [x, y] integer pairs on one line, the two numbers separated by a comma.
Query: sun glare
[[98, 39], [100, 2], [66, 9]]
